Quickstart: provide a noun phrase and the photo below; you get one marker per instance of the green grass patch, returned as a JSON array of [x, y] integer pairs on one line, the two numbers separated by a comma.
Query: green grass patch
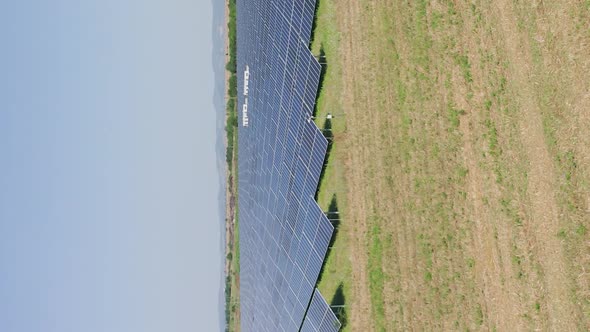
[[454, 117], [463, 62], [231, 126], [376, 276], [336, 279]]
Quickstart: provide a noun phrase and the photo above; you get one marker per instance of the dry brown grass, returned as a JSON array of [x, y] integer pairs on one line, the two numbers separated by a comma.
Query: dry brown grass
[[465, 156]]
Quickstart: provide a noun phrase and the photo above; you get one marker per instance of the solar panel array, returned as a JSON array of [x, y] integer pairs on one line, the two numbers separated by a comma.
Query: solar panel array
[[284, 235], [320, 317]]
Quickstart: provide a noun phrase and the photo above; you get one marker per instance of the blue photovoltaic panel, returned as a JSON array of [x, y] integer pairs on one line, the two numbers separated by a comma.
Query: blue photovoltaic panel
[[284, 235], [320, 317]]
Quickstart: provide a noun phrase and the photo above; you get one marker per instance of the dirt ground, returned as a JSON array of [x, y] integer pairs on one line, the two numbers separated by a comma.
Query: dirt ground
[[464, 148]]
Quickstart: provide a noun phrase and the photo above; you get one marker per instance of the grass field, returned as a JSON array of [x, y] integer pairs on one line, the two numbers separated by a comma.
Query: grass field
[[460, 163]]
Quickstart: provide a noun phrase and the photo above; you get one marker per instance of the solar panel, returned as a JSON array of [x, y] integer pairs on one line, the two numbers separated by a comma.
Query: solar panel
[[284, 235], [320, 317]]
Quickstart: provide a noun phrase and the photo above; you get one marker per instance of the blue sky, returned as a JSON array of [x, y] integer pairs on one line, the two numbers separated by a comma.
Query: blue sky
[[109, 184]]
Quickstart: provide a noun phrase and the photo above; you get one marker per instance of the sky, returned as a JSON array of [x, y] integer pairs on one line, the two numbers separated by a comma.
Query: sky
[[109, 176]]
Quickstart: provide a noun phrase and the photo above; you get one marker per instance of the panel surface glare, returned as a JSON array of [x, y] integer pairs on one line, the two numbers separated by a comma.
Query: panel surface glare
[[284, 235]]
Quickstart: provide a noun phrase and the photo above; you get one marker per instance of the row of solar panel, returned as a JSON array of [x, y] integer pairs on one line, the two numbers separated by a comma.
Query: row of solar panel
[[284, 234], [291, 261]]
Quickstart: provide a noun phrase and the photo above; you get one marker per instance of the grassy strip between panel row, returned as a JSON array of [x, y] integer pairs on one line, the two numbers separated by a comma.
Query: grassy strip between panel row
[[232, 86], [232, 313], [335, 280]]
